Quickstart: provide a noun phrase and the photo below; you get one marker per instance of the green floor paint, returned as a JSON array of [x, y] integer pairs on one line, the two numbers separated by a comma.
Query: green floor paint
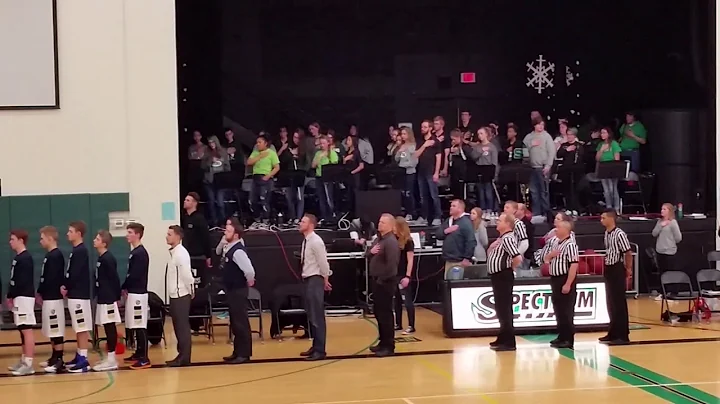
[[667, 389]]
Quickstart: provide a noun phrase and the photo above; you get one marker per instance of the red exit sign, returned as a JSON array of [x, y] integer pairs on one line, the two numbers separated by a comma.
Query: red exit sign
[[467, 77]]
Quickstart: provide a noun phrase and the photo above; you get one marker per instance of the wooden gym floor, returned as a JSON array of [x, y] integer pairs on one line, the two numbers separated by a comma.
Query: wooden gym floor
[[678, 364]]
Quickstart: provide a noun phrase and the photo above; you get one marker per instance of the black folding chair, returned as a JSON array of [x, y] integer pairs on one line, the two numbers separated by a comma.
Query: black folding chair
[[255, 310], [676, 286]]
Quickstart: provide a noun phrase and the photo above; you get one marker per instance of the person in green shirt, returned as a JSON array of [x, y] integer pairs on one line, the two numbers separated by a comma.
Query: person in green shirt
[[632, 135], [265, 164], [324, 156], [609, 150]]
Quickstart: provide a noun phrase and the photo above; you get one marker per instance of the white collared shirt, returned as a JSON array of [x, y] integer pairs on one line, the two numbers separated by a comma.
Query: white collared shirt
[[313, 257]]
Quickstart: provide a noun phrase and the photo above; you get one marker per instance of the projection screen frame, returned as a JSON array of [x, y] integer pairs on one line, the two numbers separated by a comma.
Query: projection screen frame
[[56, 71]]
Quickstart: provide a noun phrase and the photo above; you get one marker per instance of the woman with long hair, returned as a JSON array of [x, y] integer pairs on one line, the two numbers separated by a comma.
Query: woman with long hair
[[481, 236], [487, 156], [394, 143], [293, 161], [324, 156], [667, 236], [405, 158], [355, 165], [404, 293], [609, 150], [215, 160]]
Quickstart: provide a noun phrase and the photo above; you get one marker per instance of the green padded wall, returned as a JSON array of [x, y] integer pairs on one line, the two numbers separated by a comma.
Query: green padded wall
[[35, 211]]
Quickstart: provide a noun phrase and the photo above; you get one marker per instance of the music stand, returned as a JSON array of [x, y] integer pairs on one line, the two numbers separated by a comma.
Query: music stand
[[228, 180], [570, 172], [486, 174], [612, 169], [392, 176], [293, 179], [333, 174], [515, 174]]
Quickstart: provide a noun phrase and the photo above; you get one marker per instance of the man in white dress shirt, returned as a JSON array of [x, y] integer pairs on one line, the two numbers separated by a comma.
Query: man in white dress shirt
[[180, 285], [316, 277]]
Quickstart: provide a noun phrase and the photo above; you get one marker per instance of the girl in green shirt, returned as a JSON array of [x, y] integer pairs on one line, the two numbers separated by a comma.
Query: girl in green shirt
[[324, 156], [609, 150]]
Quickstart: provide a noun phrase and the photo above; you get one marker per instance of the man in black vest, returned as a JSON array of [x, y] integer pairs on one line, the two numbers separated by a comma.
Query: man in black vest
[[238, 275]]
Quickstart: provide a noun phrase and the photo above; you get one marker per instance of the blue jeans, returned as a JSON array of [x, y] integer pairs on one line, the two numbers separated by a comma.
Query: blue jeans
[[260, 197], [610, 192], [429, 197], [486, 196], [216, 203], [634, 157], [324, 192], [539, 192], [409, 194], [295, 197]]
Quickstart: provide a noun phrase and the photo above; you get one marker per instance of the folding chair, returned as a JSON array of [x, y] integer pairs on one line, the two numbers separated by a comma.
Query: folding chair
[[713, 258], [216, 306], [255, 310], [678, 280], [708, 281]]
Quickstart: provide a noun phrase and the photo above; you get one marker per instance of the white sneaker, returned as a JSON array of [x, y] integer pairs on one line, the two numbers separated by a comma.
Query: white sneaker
[[106, 366], [24, 370], [16, 366], [436, 222]]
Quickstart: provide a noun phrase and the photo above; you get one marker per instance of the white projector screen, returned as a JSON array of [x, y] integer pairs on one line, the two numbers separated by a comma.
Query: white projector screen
[[28, 54]]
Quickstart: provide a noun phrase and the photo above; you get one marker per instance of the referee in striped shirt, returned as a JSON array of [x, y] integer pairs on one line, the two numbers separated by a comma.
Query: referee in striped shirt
[[561, 253], [503, 255], [618, 267], [519, 229]]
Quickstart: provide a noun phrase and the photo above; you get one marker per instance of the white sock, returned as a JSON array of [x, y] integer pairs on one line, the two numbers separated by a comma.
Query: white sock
[[22, 358], [28, 361], [111, 356], [82, 352]]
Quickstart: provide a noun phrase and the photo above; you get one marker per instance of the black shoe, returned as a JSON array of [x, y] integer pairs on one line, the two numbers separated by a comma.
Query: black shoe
[[133, 358], [503, 348], [316, 356], [375, 348], [398, 327], [307, 353], [605, 339], [617, 342], [562, 344], [384, 352], [177, 364], [494, 343], [229, 358], [555, 341], [238, 360]]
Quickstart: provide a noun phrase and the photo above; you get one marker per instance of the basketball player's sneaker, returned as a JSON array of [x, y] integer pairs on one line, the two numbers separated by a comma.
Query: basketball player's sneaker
[[55, 366], [141, 364], [16, 366], [81, 365], [133, 358], [24, 370], [106, 365], [47, 363], [73, 361]]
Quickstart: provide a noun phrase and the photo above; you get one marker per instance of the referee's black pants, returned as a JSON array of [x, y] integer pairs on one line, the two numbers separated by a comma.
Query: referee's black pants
[[564, 306], [615, 279], [502, 286], [237, 301]]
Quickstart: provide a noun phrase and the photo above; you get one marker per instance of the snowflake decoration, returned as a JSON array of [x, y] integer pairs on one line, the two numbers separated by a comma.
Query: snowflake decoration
[[542, 74], [569, 76]]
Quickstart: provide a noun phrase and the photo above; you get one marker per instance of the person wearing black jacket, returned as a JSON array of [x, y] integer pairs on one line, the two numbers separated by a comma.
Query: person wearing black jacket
[[572, 168], [197, 237], [77, 288], [52, 277], [21, 300], [107, 290], [136, 295], [293, 171], [458, 237]]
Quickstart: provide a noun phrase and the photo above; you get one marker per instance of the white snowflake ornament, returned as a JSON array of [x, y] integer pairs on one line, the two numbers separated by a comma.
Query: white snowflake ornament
[[542, 74]]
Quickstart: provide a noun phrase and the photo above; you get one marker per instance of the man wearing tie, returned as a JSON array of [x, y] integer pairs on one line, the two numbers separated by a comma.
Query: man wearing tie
[[316, 277]]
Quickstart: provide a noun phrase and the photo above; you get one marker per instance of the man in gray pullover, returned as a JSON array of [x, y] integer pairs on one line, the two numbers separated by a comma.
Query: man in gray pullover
[[384, 260], [542, 150]]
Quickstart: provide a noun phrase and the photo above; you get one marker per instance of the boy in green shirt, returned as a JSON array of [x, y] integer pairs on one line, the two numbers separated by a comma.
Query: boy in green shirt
[[265, 164], [632, 135]]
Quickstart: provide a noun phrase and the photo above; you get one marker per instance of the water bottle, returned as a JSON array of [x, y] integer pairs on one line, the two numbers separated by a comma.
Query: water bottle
[[455, 273], [680, 210], [422, 239]]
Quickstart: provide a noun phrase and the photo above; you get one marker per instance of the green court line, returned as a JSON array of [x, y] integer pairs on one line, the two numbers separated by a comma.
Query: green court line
[[642, 378]]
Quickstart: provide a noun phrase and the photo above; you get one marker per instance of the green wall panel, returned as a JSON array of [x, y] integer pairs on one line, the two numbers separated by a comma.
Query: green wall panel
[[33, 212]]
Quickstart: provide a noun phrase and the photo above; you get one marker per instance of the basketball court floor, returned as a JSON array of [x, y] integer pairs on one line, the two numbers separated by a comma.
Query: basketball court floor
[[676, 364]]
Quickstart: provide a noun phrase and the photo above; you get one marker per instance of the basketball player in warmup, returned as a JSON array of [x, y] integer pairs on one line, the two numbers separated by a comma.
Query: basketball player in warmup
[[107, 290], [136, 296], [77, 289], [21, 300], [48, 294]]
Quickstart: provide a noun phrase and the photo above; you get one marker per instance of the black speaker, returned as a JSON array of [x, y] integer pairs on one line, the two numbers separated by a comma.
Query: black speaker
[[370, 205]]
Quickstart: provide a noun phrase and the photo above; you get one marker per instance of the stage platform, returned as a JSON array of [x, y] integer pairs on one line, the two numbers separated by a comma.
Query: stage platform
[[273, 254], [428, 369]]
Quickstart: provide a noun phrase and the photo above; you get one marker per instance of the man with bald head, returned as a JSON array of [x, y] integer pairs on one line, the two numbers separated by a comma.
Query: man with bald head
[[384, 259], [503, 255], [562, 254]]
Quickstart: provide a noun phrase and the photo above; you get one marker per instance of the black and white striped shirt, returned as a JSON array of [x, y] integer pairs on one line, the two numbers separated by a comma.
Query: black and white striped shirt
[[616, 245], [501, 254], [568, 254], [520, 231]]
